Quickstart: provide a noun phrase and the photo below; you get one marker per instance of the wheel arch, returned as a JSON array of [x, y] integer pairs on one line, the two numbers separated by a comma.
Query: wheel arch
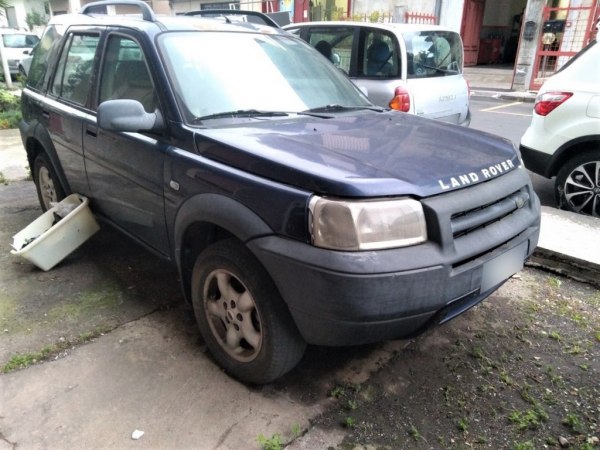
[[40, 142], [569, 150], [208, 218]]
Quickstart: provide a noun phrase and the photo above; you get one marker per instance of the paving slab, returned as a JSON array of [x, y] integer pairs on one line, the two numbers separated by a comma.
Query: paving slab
[[146, 375]]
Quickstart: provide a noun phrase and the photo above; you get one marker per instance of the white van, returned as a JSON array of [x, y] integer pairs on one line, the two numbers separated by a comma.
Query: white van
[[411, 68]]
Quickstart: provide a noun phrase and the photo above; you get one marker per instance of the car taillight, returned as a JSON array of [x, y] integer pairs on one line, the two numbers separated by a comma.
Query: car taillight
[[401, 100], [548, 101]]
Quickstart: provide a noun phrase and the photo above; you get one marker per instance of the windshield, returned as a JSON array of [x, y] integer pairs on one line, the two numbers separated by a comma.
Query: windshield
[[433, 53], [215, 73], [19, 40]]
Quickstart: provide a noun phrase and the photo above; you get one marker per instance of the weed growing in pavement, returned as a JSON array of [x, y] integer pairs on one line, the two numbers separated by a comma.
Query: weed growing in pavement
[[414, 433], [336, 392], [296, 430], [272, 443], [528, 445], [3, 179], [572, 422], [352, 405], [530, 419], [349, 422], [463, 425]]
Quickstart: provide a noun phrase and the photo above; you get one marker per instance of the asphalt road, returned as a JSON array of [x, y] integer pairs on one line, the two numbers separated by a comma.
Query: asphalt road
[[510, 120]]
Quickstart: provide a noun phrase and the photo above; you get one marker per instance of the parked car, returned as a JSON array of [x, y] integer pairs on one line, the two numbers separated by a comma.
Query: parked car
[[17, 45], [410, 68], [295, 209], [563, 140], [25, 63]]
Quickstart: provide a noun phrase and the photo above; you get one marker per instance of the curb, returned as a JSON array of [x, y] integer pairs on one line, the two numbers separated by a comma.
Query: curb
[[484, 94], [488, 94], [567, 266]]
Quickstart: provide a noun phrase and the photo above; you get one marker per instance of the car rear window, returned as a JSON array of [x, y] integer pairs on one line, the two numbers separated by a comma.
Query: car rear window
[[433, 53], [19, 40]]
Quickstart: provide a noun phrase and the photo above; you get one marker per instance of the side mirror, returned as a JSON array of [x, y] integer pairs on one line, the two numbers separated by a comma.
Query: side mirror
[[127, 115]]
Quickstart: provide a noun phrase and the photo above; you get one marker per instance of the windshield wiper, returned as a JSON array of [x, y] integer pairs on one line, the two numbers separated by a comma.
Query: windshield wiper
[[439, 69], [339, 108], [241, 113]]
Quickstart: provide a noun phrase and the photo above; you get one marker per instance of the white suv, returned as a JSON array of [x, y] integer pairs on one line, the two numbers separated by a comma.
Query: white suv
[[563, 140], [411, 68]]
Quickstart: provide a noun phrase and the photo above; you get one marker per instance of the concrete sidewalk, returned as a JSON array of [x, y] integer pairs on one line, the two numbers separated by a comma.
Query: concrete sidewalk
[[494, 82]]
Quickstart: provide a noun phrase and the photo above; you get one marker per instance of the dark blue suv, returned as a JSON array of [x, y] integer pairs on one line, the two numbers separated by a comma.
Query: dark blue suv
[[295, 210]]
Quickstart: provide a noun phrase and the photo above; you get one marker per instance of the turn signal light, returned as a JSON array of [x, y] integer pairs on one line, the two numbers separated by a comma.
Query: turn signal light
[[548, 101], [401, 100]]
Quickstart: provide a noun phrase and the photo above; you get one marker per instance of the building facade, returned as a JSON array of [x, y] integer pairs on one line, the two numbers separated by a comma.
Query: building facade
[[536, 37]]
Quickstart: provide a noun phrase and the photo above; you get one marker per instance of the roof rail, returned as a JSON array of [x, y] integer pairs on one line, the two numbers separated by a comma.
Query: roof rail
[[98, 8], [252, 16]]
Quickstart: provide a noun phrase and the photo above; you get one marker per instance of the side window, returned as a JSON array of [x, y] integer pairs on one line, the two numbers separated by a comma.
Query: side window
[[73, 75], [125, 74], [42, 55], [334, 43], [379, 56]]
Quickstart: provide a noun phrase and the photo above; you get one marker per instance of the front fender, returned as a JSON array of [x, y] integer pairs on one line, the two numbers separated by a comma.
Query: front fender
[[203, 220], [219, 211]]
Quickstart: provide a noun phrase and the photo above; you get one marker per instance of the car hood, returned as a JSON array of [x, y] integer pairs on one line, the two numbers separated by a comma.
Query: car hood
[[364, 154]]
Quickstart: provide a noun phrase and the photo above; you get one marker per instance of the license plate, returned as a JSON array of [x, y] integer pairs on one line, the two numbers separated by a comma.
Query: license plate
[[503, 266]]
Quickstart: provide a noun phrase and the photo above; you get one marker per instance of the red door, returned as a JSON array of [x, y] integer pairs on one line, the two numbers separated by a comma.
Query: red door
[[471, 28]]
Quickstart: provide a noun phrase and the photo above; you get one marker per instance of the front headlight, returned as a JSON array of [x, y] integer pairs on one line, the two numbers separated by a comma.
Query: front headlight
[[366, 224]]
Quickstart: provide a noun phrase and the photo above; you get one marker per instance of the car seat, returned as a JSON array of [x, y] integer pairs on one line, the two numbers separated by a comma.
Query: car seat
[[324, 48], [132, 81], [378, 55]]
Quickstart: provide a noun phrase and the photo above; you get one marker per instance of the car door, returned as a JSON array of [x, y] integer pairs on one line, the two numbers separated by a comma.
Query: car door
[[439, 89], [68, 104], [125, 170], [378, 64]]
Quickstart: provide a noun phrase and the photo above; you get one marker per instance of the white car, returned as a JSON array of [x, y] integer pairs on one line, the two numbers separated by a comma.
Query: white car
[[17, 45], [411, 68], [563, 140]]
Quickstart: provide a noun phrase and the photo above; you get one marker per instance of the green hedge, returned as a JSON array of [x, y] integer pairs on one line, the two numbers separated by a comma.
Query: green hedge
[[10, 109]]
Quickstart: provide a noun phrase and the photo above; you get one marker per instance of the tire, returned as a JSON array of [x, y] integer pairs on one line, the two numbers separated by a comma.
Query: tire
[[46, 182], [577, 187], [245, 323]]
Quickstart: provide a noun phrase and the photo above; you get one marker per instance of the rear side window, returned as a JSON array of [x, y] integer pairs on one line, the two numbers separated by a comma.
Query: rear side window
[[379, 55], [73, 76], [125, 75], [335, 44], [42, 55], [433, 54]]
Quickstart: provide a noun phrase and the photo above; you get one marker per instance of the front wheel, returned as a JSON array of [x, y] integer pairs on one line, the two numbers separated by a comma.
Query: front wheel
[[245, 323], [577, 186], [46, 182]]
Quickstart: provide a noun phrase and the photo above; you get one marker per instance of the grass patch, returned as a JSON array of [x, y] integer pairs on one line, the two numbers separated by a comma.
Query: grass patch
[[24, 360], [10, 109], [530, 419], [272, 443]]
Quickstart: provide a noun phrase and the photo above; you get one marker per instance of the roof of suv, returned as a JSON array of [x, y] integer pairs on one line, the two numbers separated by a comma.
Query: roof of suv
[[158, 22]]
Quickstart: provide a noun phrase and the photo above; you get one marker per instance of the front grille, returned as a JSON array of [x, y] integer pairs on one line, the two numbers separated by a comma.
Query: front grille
[[466, 222]]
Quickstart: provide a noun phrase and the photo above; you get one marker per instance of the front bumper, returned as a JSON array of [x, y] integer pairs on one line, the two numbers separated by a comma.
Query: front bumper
[[346, 298]]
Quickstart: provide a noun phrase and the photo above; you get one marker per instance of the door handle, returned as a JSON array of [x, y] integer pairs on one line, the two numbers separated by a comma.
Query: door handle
[[91, 131]]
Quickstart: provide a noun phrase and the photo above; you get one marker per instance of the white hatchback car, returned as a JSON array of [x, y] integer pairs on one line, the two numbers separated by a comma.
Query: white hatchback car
[[563, 140], [411, 68], [17, 45]]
